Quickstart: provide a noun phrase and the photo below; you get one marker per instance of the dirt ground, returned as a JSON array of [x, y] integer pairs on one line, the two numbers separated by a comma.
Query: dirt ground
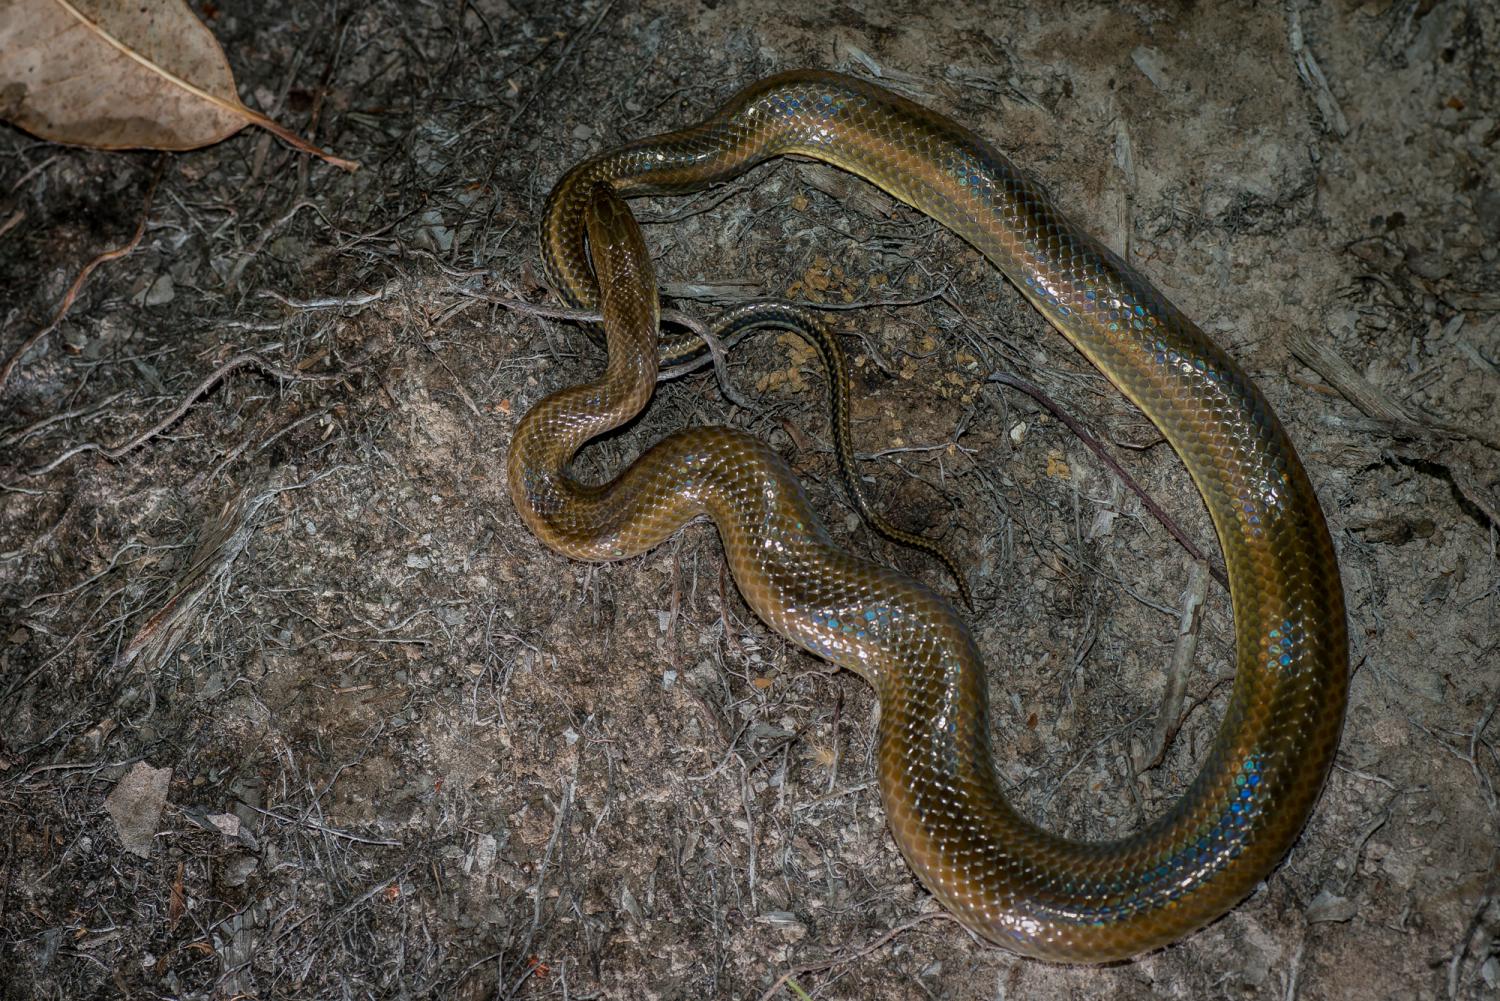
[[411, 753]]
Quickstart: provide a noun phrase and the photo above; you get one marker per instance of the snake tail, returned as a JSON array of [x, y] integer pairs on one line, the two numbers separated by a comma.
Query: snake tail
[[780, 314]]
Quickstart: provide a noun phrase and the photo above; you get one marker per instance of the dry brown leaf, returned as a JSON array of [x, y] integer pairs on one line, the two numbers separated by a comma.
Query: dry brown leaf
[[136, 803], [120, 74]]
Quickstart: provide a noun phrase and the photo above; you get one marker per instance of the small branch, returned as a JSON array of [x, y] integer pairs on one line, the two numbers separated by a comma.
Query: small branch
[[83, 276], [237, 362], [1098, 449], [1312, 75], [1372, 401], [19, 435], [717, 349], [329, 302], [548, 312], [842, 960], [834, 307], [1170, 717], [1461, 950], [12, 221], [314, 825], [267, 232], [1476, 738]]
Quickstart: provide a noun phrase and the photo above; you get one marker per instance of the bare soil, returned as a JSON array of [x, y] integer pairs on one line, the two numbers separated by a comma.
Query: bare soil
[[414, 754]]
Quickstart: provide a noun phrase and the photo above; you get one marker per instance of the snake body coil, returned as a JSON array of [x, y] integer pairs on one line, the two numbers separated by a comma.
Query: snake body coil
[[779, 314], [1000, 874]]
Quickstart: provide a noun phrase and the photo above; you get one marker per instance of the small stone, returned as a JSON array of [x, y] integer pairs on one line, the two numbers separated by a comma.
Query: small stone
[[239, 869], [161, 292], [227, 823], [1149, 61], [785, 922], [1426, 264], [1329, 906], [482, 859], [432, 233]]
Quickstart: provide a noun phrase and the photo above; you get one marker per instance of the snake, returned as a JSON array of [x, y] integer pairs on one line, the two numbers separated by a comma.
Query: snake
[[734, 322], [1000, 874]]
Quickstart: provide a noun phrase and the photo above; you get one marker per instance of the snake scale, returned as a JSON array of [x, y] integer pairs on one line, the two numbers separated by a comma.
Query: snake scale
[[1001, 875]]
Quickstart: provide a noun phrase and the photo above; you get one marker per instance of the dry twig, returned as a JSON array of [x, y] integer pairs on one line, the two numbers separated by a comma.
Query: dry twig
[[1097, 448], [83, 276], [1170, 717], [237, 362]]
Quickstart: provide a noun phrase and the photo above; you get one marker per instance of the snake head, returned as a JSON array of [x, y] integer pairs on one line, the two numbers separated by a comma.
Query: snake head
[[616, 247]]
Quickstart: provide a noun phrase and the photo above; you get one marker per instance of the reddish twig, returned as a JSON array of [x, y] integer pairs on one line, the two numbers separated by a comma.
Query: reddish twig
[[83, 276], [1095, 446]]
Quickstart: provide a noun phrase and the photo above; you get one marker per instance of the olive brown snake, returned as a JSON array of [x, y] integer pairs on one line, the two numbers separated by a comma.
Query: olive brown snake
[[1002, 876]]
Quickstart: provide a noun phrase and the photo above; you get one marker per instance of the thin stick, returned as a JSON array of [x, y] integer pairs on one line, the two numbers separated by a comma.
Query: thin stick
[[83, 276], [824, 964], [314, 825], [1170, 717], [1097, 448], [238, 361], [716, 348], [1371, 400], [550, 312], [328, 302]]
